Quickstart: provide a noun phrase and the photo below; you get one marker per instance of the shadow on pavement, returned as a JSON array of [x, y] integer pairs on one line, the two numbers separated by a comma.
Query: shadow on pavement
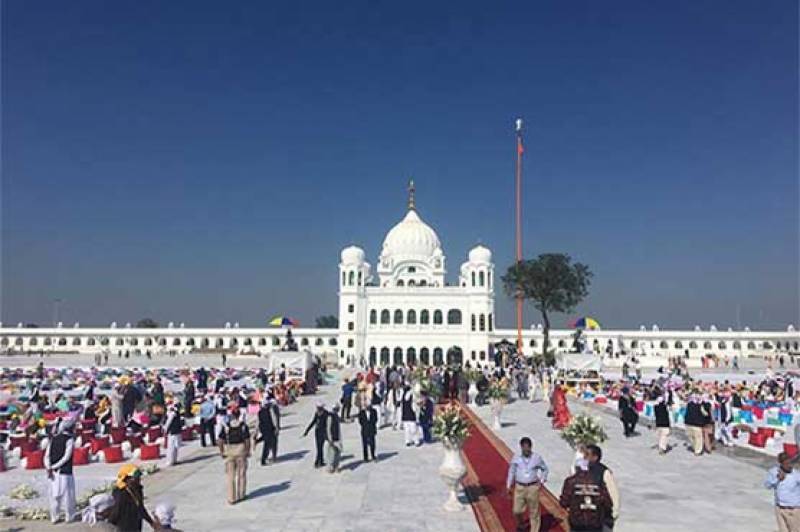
[[269, 490]]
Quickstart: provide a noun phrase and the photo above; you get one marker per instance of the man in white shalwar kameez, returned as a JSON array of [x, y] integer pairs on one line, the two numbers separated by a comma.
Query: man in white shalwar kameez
[[172, 431], [58, 463], [410, 418]]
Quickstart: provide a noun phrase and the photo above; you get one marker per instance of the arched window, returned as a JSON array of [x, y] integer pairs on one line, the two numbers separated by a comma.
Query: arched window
[[678, 345], [411, 283], [472, 321], [481, 279], [90, 342], [220, 342], [304, 341], [248, 342], [359, 278], [424, 356], [319, 341], [473, 278], [424, 317], [482, 322], [438, 356], [76, 341], [344, 278], [205, 343], [533, 343], [423, 283], [190, 342], [262, 342], [411, 356], [766, 345], [751, 345], [562, 343], [106, 341], [385, 317], [721, 345], [737, 344], [663, 345], [373, 356], [161, 341], [398, 357], [61, 341], [437, 317], [707, 345], [411, 317], [398, 317], [276, 340], [483, 355], [401, 283], [454, 317], [373, 317], [234, 342], [491, 323], [352, 278], [489, 278], [332, 342], [692, 345], [384, 356], [634, 344]]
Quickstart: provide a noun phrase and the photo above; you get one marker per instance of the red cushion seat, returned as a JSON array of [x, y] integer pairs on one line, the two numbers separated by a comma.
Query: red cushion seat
[[99, 443], [35, 460], [80, 455], [149, 451], [113, 454], [153, 433], [790, 449], [757, 439], [118, 435], [187, 433], [135, 440]]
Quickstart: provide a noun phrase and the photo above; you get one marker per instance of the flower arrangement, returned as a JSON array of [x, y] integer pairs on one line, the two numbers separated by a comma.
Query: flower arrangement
[[419, 374], [149, 469], [83, 500], [498, 390], [431, 388], [33, 514], [23, 492], [472, 375], [450, 426], [584, 429]]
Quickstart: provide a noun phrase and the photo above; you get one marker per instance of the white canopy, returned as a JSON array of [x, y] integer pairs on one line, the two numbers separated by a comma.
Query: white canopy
[[579, 362], [296, 362]]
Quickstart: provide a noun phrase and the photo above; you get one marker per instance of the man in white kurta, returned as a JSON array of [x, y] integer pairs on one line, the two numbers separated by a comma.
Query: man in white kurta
[[58, 463]]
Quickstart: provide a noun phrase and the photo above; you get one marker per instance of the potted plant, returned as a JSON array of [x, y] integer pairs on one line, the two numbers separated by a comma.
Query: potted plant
[[498, 396], [473, 376], [584, 430], [451, 428]]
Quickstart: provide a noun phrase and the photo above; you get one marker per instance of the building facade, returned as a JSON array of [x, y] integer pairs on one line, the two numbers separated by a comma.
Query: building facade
[[403, 312]]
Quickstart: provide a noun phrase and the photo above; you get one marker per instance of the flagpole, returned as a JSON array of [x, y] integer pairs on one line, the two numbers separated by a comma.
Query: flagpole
[[520, 151]]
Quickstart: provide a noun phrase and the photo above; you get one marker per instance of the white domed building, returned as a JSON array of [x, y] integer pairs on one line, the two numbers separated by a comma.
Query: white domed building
[[407, 313]]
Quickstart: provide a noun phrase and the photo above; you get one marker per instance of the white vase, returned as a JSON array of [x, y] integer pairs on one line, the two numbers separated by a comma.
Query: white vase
[[497, 411], [452, 471], [473, 392]]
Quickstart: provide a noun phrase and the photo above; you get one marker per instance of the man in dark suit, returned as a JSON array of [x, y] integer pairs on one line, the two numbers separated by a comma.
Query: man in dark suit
[[368, 419], [268, 427]]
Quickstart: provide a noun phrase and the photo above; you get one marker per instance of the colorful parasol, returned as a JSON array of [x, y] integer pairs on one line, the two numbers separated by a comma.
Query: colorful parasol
[[585, 323], [283, 321]]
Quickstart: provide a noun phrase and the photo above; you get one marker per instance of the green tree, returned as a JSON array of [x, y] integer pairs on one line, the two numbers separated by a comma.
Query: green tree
[[327, 322], [552, 283], [147, 323]]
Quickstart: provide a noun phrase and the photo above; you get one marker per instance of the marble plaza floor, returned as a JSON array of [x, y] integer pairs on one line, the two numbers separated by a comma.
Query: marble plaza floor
[[674, 492], [401, 492]]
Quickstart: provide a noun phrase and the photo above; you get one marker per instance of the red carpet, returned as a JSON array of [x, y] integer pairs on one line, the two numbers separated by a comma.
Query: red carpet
[[487, 458]]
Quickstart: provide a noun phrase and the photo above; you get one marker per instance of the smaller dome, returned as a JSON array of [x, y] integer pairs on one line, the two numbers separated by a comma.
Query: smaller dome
[[352, 255], [480, 255]]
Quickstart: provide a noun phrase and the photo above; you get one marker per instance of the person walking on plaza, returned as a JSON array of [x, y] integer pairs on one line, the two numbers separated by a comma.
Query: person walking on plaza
[[693, 420], [707, 411], [348, 388], [319, 423], [208, 415], [527, 472], [586, 500], [368, 419], [396, 406], [333, 437], [661, 413], [408, 415], [234, 447], [604, 476], [784, 480], [188, 396], [426, 417], [268, 427], [627, 412], [58, 463], [172, 427]]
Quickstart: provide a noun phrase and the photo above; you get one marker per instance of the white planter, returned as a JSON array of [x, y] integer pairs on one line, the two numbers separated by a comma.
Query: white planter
[[473, 392], [452, 471], [497, 411]]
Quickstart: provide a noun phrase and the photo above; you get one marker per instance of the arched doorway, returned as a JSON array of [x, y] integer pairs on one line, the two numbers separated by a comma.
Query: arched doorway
[[438, 359], [398, 356], [424, 356], [455, 357], [411, 356], [373, 356], [384, 356]]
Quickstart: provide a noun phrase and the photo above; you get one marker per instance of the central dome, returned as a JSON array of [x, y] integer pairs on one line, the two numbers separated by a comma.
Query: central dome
[[411, 238]]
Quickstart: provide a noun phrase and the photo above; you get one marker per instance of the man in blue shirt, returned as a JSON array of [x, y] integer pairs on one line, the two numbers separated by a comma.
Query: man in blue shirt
[[785, 481]]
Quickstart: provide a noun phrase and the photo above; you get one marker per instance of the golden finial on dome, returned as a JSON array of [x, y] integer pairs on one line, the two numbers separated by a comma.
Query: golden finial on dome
[[411, 190]]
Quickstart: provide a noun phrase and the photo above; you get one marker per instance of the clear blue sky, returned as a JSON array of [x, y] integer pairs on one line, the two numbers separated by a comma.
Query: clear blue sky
[[206, 161]]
